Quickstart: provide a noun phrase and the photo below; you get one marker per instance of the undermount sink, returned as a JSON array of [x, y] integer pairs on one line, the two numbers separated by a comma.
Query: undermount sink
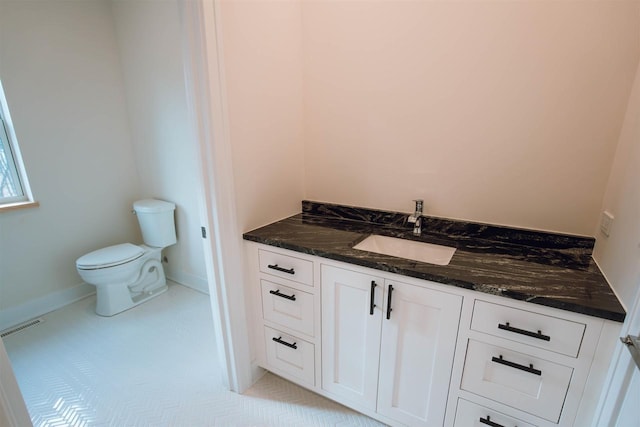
[[409, 249]]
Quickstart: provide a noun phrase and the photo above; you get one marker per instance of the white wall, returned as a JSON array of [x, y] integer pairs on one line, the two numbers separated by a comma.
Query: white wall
[[262, 58], [60, 70], [150, 43], [262, 48], [499, 112], [619, 253]]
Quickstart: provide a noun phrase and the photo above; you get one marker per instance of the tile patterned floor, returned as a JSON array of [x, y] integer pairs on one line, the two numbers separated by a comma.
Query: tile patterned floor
[[154, 365]]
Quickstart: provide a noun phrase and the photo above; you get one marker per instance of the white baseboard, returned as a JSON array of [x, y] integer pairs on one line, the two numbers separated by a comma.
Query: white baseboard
[[40, 306], [189, 280]]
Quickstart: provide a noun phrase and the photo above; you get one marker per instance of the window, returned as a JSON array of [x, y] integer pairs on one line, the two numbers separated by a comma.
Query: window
[[14, 188]]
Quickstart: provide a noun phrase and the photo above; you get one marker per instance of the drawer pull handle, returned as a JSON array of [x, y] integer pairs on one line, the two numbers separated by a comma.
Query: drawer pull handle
[[389, 309], [537, 335], [280, 341], [529, 368], [284, 270], [488, 422], [372, 303], [277, 293]]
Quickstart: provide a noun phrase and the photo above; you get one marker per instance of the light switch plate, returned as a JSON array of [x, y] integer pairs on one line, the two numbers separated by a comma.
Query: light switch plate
[[605, 223]]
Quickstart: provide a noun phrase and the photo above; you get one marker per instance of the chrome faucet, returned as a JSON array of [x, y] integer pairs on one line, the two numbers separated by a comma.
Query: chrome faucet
[[416, 218]]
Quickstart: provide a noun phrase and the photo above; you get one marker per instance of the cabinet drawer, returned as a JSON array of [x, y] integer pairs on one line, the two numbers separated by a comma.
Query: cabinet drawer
[[533, 385], [535, 329], [285, 266], [471, 415], [287, 307], [290, 355]]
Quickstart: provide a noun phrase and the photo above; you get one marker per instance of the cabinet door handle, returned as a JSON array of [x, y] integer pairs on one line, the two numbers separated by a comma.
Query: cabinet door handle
[[488, 422], [529, 368], [277, 293], [373, 297], [537, 335], [280, 341], [389, 309], [284, 270]]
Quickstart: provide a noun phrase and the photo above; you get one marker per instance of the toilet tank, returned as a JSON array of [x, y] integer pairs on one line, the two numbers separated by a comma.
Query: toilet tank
[[156, 222]]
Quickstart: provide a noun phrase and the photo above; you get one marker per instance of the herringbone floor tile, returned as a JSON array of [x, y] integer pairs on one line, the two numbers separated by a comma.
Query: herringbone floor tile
[[154, 365]]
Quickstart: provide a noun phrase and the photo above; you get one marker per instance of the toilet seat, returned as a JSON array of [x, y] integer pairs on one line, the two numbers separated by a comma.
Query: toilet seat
[[110, 256]]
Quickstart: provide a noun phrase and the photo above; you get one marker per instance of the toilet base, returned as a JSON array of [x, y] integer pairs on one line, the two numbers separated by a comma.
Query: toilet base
[[109, 308], [116, 298], [148, 295]]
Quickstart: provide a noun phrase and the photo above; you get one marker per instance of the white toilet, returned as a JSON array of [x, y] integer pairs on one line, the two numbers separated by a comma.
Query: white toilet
[[126, 275]]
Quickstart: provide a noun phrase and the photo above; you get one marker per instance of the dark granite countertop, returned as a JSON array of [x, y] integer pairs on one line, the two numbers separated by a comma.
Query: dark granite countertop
[[549, 269]]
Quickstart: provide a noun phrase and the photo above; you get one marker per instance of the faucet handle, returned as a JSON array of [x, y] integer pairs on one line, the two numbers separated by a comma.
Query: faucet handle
[[419, 203]]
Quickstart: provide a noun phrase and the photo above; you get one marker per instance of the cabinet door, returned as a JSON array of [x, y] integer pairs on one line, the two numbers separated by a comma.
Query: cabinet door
[[351, 334], [416, 356]]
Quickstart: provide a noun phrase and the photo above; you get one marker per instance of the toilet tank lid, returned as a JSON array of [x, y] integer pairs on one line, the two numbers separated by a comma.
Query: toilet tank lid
[[153, 206], [109, 256]]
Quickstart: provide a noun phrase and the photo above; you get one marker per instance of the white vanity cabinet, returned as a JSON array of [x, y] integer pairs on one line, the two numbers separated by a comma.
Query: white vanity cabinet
[[410, 352]]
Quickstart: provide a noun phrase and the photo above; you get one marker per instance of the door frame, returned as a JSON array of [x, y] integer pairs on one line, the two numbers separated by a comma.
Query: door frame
[[13, 411], [208, 111], [621, 369]]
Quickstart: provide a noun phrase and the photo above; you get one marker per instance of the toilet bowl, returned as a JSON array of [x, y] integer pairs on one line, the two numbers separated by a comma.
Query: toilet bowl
[[126, 275]]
